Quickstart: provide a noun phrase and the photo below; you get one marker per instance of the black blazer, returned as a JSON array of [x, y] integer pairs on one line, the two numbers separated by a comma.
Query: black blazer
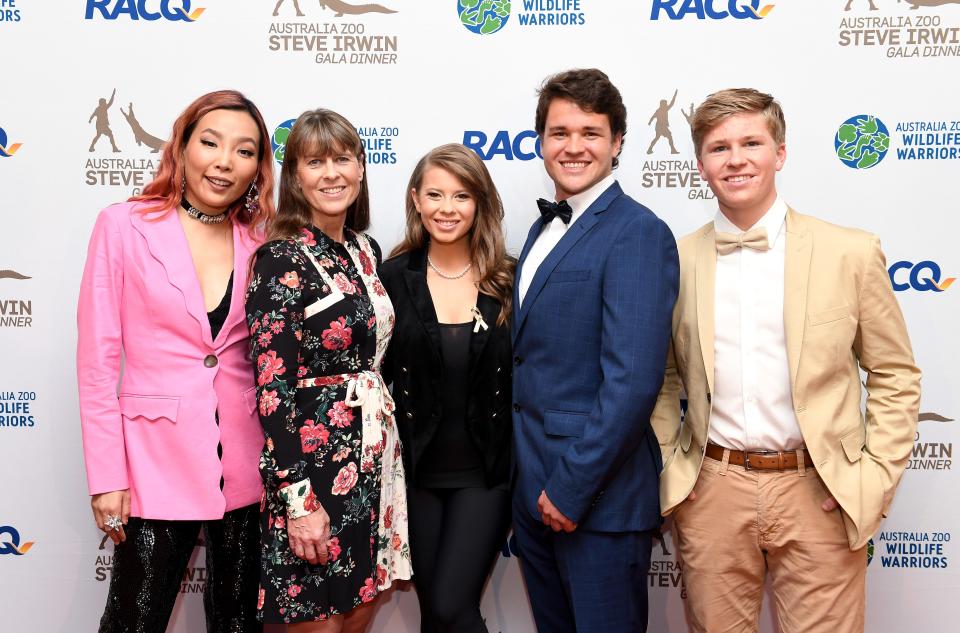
[[414, 364]]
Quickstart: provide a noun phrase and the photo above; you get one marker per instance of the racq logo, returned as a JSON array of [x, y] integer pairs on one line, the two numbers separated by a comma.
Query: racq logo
[[524, 145], [923, 276], [149, 10], [709, 9]]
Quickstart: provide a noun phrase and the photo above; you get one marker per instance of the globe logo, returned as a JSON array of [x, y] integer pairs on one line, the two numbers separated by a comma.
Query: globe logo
[[870, 551], [279, 139], [862, 141], [483, 17]]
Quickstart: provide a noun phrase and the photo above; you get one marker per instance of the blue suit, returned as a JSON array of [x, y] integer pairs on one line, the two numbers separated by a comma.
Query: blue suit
[[590, 346]]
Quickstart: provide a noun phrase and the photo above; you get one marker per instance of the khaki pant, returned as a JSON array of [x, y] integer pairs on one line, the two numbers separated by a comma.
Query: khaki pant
[[745, 523]]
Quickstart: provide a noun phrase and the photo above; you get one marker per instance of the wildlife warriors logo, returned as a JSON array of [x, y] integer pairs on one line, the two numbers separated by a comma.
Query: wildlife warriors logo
[[862, 141], [278, 142], [7, 151], [483, 17]]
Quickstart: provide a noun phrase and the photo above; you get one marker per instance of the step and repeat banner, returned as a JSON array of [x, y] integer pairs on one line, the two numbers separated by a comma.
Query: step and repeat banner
[[91, 88]]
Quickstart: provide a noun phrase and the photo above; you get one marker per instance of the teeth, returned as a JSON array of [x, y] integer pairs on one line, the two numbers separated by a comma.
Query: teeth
[[333, 190], [738, 178], [218, 181], [577, 165]]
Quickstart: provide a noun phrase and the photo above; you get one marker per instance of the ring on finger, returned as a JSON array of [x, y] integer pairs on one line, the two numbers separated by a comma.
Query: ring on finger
[[113, 522]]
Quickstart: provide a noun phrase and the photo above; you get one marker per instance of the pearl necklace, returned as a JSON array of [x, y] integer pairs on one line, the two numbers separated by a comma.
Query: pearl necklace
[[445, 275]]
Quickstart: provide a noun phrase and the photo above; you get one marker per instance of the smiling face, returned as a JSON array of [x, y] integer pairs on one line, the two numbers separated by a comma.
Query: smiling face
[[330, 184], [740, 159], [446, 208], [220, 159], [578, 147]]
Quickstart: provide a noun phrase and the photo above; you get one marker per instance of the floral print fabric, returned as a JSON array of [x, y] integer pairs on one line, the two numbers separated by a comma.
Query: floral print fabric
[[320, 322]]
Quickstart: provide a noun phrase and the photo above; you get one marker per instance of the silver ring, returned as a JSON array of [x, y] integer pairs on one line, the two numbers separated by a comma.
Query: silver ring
[[113, 522]]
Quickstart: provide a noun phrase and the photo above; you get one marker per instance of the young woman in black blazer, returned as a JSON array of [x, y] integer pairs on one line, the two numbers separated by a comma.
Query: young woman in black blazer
[[451, 282]]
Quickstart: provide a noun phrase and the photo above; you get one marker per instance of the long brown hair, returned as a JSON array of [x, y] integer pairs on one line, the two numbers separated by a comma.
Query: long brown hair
[[488, 250], [164, 191], [317, 132]]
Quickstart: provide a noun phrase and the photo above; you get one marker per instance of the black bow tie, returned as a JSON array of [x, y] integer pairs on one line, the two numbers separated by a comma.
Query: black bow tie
[[550, 210]]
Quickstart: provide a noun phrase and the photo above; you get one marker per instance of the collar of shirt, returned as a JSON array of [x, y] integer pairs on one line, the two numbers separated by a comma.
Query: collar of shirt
[[582, 201], [773, 220]]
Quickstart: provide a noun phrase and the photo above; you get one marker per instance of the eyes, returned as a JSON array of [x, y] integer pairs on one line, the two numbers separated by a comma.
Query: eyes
[[244, 150], [342, 159], [460, 196], [716, 149]]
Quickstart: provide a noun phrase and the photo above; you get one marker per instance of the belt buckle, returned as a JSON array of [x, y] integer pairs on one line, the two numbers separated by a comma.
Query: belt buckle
[[779, 454], [746, 461]]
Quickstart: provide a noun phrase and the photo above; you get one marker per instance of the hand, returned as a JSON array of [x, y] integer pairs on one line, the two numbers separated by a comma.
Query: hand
[[116, 503], [552, 517], [829, 505], [309, 536]]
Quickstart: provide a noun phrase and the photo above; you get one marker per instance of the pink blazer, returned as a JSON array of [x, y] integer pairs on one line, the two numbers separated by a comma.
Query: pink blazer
[[140, 299]]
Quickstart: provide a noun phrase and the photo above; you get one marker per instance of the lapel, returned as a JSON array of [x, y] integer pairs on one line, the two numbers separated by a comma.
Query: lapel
[[415, 278], [796, 274], [706, 277], [490, 310], [587, 220], [168, 245], [243, 248], [532, 235]]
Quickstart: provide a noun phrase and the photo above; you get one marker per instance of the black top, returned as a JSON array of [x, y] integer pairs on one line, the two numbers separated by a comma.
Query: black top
[[416, 365], [218, 315], [451, 459]]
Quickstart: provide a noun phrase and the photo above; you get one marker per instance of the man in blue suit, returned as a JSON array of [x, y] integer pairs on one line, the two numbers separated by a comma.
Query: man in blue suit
[[595, 289]]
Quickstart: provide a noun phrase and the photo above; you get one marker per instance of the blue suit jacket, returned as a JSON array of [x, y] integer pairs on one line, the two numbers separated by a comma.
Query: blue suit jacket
[[590, 348]]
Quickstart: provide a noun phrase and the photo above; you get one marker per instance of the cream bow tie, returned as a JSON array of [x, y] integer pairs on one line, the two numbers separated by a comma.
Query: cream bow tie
[[755, 238]]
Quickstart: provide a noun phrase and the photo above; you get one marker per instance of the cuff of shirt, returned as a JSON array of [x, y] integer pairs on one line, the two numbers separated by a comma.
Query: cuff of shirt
[[299, 498]]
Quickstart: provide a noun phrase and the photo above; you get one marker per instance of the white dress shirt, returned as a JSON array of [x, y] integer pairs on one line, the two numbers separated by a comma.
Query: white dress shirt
[[752, 402], [552, 233]]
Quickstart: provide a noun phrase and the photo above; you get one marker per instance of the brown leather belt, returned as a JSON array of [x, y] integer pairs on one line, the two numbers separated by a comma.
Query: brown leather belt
[[760, 460]]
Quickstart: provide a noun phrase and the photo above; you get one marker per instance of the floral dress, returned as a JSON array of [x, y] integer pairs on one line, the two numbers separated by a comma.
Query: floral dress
[[320, 321]]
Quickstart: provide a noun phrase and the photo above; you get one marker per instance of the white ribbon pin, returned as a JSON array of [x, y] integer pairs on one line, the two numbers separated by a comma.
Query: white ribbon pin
[[480, 323]]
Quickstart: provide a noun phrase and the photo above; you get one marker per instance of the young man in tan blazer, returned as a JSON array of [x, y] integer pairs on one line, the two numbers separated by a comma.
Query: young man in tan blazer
[[775, 468]]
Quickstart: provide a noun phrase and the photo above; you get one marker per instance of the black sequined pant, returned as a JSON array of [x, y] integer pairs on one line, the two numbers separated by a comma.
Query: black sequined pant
[[148, 569]]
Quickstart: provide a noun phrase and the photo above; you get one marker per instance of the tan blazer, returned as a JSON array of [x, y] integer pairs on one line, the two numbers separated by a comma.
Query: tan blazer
[[840, 316]]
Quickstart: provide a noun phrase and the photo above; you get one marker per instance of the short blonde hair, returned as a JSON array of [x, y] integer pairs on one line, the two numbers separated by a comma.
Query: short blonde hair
[[726, 103]]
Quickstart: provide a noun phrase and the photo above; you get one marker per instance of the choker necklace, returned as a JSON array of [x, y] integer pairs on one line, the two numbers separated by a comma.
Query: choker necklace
[[200, 216], [445, 275]]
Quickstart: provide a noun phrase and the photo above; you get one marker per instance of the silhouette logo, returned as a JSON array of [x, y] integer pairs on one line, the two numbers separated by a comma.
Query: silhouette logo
[[339, 8], [483, 17], [662, 129], [6, 151], [279, 139], [862, 141], [103, 129], [10, 542], [12, 274], [931, 416], [148, 10]]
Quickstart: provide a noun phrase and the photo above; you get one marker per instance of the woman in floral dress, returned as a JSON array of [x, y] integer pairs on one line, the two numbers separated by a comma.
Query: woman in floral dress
[[334, 512]]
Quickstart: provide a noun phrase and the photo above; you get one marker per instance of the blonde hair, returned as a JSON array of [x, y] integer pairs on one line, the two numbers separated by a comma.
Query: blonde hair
[[488, 250], [726, 103]]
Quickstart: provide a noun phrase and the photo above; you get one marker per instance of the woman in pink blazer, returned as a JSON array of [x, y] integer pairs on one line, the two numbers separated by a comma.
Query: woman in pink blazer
[[177, 450]]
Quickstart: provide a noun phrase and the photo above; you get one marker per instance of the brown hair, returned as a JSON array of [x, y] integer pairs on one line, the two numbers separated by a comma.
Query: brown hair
[[726, 103], [592, 91], [164, 191], [487, 246], [317, 132]]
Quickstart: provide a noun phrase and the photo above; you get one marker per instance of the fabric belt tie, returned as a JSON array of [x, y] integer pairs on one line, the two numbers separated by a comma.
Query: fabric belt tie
[[761, 460]]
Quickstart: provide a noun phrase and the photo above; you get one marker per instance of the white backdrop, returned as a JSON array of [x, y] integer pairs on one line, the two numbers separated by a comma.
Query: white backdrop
[[413, 79]]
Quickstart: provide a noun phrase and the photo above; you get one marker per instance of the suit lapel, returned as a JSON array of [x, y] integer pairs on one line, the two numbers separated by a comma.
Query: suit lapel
[[415, 278], [490, 310], [532, 236], [243, 247], [581, 227], [706, 277], [796, 276], [168, 245]]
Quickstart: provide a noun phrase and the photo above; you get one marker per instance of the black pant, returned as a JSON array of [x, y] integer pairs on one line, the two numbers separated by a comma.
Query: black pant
[[455, 535], [148, 569]]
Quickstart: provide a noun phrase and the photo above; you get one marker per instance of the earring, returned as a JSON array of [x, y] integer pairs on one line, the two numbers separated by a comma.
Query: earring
[[183, 185], [252, 202]]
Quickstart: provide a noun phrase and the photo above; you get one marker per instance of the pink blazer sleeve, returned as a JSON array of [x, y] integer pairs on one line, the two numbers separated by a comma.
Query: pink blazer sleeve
[[98, 358]]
